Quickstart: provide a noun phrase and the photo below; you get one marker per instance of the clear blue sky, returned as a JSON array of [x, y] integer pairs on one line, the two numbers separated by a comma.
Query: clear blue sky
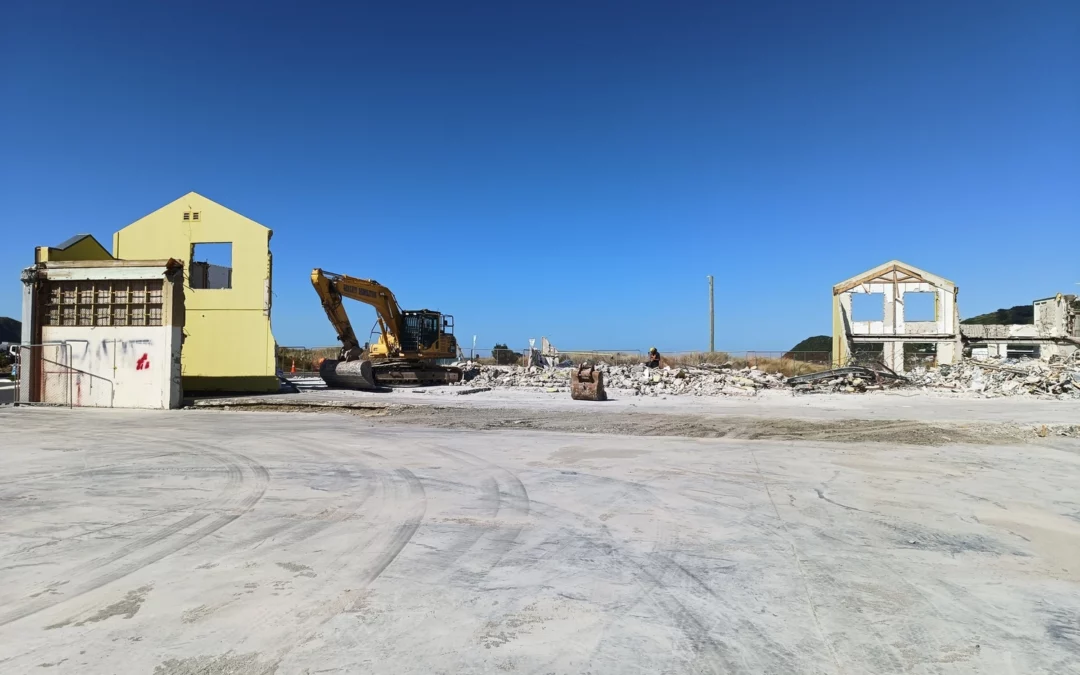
[[574, 169]]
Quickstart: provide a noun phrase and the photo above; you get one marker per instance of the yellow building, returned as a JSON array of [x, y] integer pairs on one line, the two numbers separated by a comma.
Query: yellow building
[[228, 345], [78, 248]]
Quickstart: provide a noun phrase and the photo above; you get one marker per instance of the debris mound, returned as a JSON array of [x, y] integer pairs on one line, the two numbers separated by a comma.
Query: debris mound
[[1057, 378], [849, 380], [635, 380]]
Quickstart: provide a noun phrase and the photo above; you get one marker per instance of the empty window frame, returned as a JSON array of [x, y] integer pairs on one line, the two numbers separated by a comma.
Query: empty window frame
[[919, 354], [104, 303], [866, 354], [920, 307], [1022, 351], [867, 306], [211, 266]]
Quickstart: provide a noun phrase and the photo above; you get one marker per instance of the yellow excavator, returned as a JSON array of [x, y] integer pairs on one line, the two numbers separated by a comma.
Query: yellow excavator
[[409, 346]]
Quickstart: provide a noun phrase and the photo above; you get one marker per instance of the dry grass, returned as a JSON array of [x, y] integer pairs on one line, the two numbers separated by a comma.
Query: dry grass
[[613, 358], [787, 367]]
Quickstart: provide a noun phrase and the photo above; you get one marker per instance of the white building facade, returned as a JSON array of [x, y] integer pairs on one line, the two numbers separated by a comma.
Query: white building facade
[[102, 334]]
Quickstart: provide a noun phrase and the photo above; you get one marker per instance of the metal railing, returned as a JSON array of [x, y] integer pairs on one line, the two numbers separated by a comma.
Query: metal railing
[[45, 375]]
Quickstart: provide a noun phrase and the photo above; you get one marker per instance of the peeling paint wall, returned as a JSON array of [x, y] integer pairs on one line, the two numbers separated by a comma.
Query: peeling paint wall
[[1057, 316], [118, 367]]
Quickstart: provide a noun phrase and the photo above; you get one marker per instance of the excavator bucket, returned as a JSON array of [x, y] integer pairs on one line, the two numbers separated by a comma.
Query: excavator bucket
[[587, 384], [347, 374]]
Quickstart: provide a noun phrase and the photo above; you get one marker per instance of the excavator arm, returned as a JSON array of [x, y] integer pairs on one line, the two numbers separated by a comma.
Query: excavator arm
[[333, 287]]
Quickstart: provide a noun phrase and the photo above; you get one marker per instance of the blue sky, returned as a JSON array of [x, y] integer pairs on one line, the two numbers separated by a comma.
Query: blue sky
[[573, 170]]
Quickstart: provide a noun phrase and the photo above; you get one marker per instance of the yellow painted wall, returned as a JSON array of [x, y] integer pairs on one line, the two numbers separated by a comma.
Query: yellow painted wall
[[228, 345], [86, 249]]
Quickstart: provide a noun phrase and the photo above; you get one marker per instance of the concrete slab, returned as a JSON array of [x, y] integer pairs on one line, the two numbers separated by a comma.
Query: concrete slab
[[223, 542]]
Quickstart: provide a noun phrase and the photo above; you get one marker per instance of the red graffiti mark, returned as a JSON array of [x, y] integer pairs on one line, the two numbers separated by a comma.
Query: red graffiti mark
[[143, 362]]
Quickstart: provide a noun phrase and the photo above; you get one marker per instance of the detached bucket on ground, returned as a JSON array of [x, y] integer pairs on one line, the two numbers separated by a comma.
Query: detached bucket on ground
[[587, 384]]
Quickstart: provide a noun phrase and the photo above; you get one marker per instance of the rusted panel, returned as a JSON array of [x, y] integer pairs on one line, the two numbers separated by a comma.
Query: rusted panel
[[587, 384]]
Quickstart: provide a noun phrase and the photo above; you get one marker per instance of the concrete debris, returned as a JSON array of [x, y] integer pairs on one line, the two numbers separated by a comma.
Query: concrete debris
[[635, 380], [848, 380], [1057, 378], [1066, 430]]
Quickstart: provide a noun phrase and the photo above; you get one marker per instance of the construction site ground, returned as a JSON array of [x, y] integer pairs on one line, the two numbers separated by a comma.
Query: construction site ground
[[521, 532], [900, 416]]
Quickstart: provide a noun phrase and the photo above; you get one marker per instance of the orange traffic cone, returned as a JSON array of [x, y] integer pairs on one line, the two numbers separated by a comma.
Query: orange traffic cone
[[292, 370]]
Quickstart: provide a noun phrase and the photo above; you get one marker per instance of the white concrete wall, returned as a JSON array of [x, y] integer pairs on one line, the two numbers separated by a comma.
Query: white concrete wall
[[29, 301], [1050, 317], [893, 321], [118, 367], [943, 331], [104, 366]]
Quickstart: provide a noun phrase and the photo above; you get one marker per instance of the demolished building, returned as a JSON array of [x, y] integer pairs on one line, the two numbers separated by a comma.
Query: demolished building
[[900, 316], [1055, 332], [893, 314]]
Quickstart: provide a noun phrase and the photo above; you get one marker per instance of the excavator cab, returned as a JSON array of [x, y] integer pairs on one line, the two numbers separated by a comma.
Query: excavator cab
[[424, 330]]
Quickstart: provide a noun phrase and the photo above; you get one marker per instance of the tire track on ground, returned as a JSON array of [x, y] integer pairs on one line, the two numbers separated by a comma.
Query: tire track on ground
[[509, 515], [316, 517], [403, 505], [232, 503], [708, 654]]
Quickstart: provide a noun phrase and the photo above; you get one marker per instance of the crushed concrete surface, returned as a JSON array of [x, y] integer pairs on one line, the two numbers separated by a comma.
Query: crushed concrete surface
[[229, 542]]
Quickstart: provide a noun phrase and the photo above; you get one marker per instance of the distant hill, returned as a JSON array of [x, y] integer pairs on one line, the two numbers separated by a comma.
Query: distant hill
[[817, 349], [1021, 314], [10, 330]]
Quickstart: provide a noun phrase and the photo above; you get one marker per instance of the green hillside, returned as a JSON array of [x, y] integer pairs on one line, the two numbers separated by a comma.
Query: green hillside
[[1021, 314], [10, 330], [816, 349]]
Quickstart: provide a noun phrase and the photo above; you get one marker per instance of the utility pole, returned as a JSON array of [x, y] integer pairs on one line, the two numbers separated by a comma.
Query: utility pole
[[712, 318]]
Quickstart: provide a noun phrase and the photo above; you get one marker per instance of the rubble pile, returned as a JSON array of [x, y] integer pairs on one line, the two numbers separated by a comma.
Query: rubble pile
[[637, 380], [845, 380], [1058, 378]]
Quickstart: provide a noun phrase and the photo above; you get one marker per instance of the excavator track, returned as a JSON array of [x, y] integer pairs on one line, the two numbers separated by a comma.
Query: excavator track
[[372, 375]]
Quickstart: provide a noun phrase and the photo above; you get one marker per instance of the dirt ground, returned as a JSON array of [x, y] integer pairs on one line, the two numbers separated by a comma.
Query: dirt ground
[[908, 432], [479, 539]]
